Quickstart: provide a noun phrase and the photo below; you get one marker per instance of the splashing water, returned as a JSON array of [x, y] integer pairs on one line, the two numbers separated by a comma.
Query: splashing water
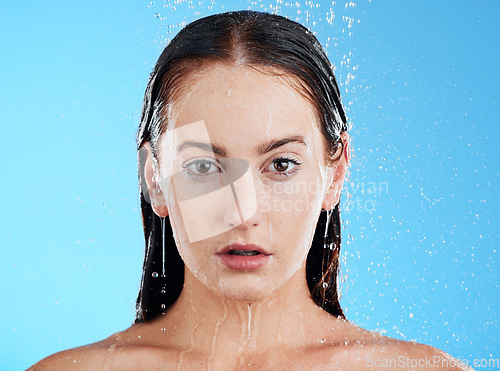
[[331, 22], [335, 24]]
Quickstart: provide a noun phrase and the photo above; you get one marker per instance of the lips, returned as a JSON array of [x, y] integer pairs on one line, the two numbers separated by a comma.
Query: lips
[[239, 249], [243, 253], [243, 257]]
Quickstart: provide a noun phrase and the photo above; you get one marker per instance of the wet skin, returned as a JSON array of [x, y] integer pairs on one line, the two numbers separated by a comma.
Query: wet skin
[[233, 319]]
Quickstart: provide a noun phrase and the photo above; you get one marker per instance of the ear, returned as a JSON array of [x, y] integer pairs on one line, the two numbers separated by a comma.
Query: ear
[[337, 174], [154, 190]]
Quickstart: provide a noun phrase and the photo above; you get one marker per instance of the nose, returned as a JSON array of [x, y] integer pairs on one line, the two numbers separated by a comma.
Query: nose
[[242, 212]]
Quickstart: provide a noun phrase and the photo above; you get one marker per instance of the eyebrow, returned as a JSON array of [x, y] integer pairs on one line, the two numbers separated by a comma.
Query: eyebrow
[[260, 150]]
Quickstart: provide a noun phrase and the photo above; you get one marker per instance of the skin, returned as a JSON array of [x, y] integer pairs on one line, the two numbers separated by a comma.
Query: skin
[[227, 319]]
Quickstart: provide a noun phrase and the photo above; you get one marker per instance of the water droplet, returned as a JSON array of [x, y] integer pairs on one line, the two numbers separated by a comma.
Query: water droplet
[[163, 306], [155, 275]]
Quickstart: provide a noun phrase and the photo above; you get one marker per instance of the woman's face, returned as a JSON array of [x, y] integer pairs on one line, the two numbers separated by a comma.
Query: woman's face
[[244, 179]]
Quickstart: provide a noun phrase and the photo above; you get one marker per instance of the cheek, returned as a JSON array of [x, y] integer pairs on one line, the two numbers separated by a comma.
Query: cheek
[[178, 229], [293, 200], [195, 258], [293, 213], [184, 247], [195, 254]]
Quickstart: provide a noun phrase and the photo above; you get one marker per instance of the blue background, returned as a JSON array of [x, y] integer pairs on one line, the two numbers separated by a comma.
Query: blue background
[[420, 81]]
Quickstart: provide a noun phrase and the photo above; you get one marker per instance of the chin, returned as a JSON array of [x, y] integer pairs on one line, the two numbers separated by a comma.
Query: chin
[[248, 292], [245, 296]]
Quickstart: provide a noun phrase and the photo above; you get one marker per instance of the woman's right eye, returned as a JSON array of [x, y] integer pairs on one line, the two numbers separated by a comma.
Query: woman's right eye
[[201, 168]]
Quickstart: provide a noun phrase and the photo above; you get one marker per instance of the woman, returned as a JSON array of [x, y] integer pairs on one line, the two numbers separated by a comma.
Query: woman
[[243, 149]]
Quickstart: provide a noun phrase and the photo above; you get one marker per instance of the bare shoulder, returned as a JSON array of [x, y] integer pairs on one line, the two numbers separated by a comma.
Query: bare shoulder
[[87, 357], [365, 349], [411, 355], [127, 349]]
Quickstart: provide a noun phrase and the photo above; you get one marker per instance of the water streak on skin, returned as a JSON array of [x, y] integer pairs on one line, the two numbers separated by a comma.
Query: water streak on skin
[[249, 321], [163, 247], [241, 360], [197, 316], [216, 331], [242, 328], [256, 318]]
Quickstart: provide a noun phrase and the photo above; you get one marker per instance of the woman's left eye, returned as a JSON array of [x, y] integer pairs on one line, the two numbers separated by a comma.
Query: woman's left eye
[[283, 166], [201, 168]]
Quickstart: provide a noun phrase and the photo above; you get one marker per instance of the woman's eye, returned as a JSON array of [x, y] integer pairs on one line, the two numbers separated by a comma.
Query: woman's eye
[[201, 168], [284, 166]]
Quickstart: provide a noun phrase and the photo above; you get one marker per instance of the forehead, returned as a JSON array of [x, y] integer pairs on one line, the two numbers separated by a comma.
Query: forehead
[[239, 104]]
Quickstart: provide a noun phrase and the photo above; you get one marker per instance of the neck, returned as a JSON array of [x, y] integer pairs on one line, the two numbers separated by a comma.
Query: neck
[[213, 325]]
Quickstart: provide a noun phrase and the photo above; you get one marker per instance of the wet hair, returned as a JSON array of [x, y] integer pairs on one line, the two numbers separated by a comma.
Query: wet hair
[[270, 44]]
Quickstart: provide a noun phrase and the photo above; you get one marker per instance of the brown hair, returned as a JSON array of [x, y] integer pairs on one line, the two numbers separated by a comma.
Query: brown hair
[[268, 43]]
